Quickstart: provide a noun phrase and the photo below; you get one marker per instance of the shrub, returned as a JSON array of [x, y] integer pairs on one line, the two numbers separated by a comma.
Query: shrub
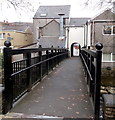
[[1, 60]]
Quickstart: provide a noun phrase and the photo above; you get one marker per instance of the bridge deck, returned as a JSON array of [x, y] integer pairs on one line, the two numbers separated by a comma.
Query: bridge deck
[[62, 93]]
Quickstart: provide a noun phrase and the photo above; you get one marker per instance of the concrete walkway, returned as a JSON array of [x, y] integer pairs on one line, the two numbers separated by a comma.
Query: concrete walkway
[[63, 93]]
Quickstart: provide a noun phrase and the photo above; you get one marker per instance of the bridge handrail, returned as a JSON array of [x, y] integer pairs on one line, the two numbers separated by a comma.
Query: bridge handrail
[[92, 67], [20, 76], [33, 50]]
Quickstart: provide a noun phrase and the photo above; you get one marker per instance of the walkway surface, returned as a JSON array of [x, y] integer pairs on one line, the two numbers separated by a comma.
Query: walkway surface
[[63, 93]]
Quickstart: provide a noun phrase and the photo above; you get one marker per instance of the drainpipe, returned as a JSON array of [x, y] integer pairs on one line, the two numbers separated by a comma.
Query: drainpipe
[[91, 27], [67, 37], [61, 37], [84, 34], [93, 33]]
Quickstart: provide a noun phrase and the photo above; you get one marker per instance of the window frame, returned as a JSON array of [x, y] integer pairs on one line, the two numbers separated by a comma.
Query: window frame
[[113, 29], [111, 26], [111, 57], [2, 36]]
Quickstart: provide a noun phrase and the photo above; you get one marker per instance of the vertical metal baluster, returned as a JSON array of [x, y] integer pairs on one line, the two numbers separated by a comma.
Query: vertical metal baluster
[[40, 66], [29, 80]]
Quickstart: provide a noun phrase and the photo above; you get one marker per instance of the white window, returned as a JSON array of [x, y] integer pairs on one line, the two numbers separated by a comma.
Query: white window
[[108, 57], [2, 35], [113, 57], [108, 30]]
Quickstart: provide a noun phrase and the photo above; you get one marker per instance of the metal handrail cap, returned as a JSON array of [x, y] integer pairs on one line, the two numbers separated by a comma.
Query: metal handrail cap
[[99, 46], [7, 43]]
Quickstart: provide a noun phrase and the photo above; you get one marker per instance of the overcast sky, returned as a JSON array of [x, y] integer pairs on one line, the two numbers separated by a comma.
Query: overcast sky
[[77, 10]]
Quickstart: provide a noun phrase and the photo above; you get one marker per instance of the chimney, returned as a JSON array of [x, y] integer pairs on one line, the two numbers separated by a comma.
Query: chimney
[[61, 37], [113, 7]]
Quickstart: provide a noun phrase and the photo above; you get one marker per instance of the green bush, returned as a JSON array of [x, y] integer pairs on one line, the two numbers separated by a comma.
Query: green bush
[[1, 60]]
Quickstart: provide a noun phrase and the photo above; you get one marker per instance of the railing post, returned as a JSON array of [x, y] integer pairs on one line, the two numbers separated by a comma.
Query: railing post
[[40, 66], [55, 58], [52, 61], [47, 63], [61, 57], [58, 59], [67, 53], [7, 94], [29, 81], [98, 46]]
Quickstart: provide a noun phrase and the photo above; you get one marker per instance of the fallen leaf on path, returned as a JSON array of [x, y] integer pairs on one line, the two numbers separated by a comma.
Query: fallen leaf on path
[[68, 98], [50, 106], [36, 101], [69, 108], [62, 98], [73, 90], [73, 104], [82, 95], [77, 112]]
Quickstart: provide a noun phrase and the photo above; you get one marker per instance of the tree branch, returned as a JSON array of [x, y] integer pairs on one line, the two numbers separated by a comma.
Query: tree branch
[[100, 3]]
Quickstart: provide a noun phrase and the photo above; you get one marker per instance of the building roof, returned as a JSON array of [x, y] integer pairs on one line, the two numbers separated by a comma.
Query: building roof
[[15, 28], [52, 11], [24, 24], [20, 27], [78, 21], [105, 15]]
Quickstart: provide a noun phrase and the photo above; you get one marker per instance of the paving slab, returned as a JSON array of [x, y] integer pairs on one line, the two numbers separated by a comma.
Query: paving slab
[[63, 93]]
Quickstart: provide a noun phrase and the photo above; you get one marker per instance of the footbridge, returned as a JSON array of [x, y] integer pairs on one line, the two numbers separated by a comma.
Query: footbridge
[[47, 82]]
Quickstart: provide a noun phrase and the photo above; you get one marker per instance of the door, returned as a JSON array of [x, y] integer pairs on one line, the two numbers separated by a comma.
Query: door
[[76, 50]]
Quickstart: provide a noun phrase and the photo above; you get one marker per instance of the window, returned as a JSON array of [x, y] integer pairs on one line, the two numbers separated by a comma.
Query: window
[[2, 35], [113, 57], [108, 57], [109, 30], [113, 29], [43, 15]]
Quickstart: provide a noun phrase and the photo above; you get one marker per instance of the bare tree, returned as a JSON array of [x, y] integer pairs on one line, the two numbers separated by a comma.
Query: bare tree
[[17, 4], [18, 7], [100, 3]]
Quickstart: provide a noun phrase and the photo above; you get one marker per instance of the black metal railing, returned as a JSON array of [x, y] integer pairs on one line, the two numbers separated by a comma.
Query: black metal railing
[[21, 75], [92, 69]]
